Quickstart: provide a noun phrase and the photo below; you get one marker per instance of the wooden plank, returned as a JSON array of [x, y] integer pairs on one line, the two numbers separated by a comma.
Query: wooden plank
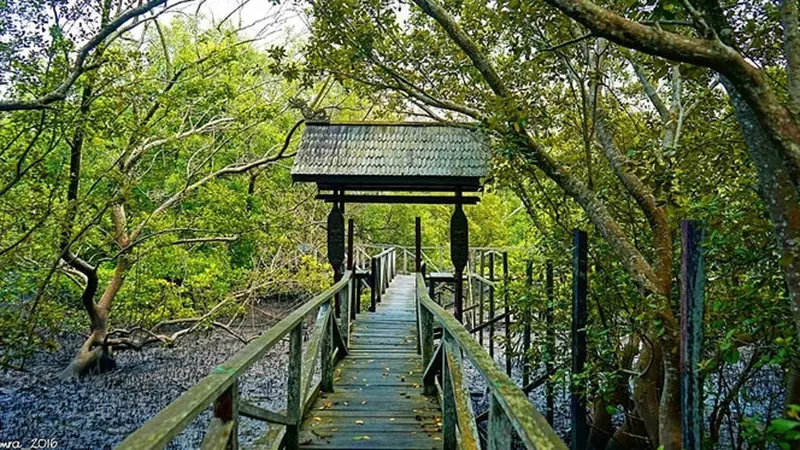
[[256, 412], [218, 434], [378, 385], [169, 422]]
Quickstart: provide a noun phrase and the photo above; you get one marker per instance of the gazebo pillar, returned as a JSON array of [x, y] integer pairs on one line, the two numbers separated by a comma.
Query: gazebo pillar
[[459, 254], [336, 244]]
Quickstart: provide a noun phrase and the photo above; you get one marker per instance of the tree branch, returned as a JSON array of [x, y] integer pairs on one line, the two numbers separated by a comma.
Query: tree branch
[[78, 67]]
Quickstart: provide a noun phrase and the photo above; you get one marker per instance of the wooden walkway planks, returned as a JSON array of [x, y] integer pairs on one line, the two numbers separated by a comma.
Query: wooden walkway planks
[[377, 401]]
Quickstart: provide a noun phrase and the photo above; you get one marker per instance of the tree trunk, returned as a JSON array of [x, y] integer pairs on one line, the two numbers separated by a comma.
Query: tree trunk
[[95, 356]]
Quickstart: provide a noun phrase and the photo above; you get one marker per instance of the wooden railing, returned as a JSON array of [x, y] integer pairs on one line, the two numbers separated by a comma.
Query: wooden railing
[[383, 268], [509, 406], [327, 343]]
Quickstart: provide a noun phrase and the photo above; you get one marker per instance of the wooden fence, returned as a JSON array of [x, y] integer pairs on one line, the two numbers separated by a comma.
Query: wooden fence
[[326, 345], [510, 408]]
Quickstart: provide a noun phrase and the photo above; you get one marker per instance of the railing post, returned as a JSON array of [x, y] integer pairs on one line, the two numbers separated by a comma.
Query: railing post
[[482, 288], [373, 292], [357, 300], [491, 305], [293, 386], [692, 297], [344, 325], [226, 409], [550, 342], [449, 417], [379, 280], [326, 352], [500, 431], [507, 311], [580, 430], [526, 333], [426, 338]]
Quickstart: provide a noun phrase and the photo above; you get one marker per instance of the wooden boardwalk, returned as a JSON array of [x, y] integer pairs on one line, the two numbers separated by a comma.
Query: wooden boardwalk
[[377, 401]]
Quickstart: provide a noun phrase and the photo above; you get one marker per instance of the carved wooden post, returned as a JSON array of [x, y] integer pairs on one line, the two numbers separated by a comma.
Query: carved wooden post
[[336, 244], [526, 333], [692, 298], [491, 305], [293, 386], [459, 254], [507, 311], [580, 430], [550, 341]]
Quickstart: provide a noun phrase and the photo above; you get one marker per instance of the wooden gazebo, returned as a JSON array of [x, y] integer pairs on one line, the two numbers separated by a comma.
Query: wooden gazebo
[[401, 162]]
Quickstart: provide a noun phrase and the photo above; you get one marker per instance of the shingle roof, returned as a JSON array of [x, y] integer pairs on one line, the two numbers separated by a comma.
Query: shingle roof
[[391, 150]]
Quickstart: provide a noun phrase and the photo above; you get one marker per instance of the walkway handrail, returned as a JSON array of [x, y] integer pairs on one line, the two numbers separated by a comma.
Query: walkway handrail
[[383, 268], [221, 385], [510, 406]]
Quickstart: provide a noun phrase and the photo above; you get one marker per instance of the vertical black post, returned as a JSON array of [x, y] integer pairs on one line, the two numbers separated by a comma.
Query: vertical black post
[[526, 333], [459, 255], [507, 311], [580, 430], [491, 305], [692, 297], [550, 342], [378, 278], [357, 295], [373, 291], [336, 245], [481, 288], [350, 266]]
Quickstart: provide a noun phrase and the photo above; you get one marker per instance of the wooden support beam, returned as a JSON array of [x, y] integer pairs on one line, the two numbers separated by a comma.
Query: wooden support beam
[[580, 430], [449, 414], [550, 341], [526, 332], [256, 412], [417, 244], [374, 288], [294, 396], [692, 299], [399, 199], [223, 430], [500, 431], [491, 305], [507, 310]]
